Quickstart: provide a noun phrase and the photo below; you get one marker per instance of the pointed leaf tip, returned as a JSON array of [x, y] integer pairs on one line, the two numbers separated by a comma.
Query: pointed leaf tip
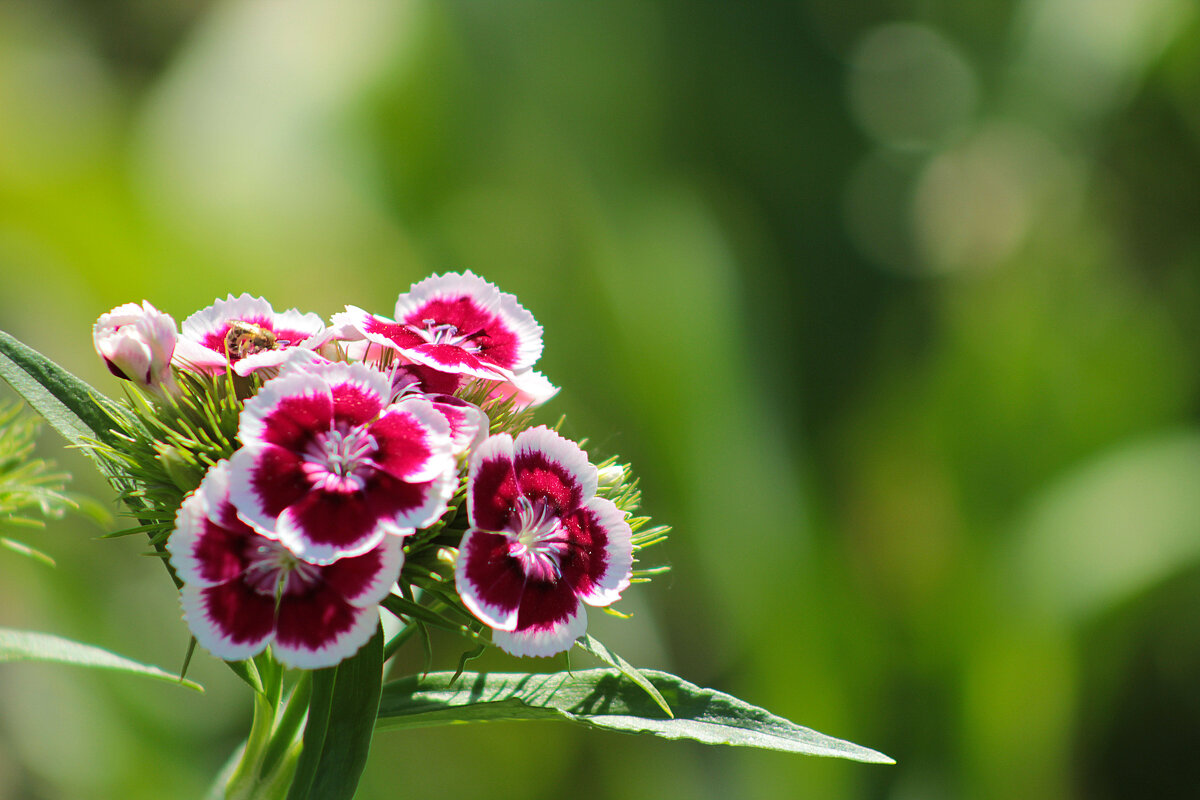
[[607, 699]]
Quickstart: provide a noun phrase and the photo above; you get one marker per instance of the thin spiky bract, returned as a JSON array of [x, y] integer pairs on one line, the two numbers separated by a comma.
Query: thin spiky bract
[[505, 415], [168, 442], [27, 483], [627, 496]]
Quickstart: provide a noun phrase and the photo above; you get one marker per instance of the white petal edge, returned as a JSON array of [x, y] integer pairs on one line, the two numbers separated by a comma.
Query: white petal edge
[[618, 553], [295, 539], [496, 447], [495, 617], [562, 451], [294, 383], [543, 643], [190, 522], [333, 652], [337, 373], [381, 583], [527, 389], [441, 448], [210, 636], [212, 318]]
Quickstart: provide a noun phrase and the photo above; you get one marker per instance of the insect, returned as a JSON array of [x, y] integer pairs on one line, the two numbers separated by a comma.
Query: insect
[[245, 339]]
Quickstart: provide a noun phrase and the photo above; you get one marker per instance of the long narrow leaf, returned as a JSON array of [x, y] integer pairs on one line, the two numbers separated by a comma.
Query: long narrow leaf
[[337, 738], [606, 654], [604, 698], [29, 646], [69, 404]]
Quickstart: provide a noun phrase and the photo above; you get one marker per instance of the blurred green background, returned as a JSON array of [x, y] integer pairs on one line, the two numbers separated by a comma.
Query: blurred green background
[[893, 305]]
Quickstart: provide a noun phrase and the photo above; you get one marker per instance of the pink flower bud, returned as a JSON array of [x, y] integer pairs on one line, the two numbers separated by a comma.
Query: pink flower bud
[[136, 343]]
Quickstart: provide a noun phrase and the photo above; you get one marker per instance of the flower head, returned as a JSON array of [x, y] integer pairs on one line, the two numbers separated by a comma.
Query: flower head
[[245, 333], [455, 323], [328, 467], [136, 343], [541, 542], [243, 591]]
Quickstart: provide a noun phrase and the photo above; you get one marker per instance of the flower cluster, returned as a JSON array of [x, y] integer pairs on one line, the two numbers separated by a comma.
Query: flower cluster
[[347, 452]]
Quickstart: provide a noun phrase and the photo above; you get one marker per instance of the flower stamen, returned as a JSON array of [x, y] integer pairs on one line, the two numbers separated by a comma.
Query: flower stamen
[[337, 460]]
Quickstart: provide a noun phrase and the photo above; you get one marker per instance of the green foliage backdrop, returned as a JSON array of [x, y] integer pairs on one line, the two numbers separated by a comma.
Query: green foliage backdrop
[[892, 304]]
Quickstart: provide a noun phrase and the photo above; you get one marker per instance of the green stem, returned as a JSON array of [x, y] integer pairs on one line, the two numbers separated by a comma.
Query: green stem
[[286, 733], [267, 761]]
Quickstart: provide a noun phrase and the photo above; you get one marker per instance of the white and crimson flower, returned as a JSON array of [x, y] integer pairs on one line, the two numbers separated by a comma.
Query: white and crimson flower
[[454, 323], [541, 543], [243, 591], [136, 343], [247, 334], [329, 468]]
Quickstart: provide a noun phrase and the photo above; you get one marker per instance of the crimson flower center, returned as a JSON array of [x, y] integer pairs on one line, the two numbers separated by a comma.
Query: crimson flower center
[[446, 333], [537, 539], [339, 460], [276, 572]]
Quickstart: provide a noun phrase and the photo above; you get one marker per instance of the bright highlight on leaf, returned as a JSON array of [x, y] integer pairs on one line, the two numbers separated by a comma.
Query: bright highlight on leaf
[[29, 646]]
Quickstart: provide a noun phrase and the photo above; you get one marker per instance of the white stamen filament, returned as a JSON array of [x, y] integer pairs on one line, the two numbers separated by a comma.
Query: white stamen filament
[[539, 540], [276, 572], [335, 461], [446, 333]]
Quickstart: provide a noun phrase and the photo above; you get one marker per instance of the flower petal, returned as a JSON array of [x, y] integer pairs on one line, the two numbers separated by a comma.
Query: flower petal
[[526, 389], [264, 481], [321, 629], [322, 527], [367, 579], [207, 544], [451, 358], [413, 441], [229, 620], [548, 625], [287, 411], [554, 469], [468, 422], [599, 563], [492, 484], [507, 335], [489, 581]]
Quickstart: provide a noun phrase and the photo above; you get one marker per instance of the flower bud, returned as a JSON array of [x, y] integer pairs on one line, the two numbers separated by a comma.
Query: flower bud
[[136, 343], [612, 476]]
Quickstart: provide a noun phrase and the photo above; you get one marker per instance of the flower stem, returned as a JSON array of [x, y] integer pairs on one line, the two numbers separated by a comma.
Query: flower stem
[[268, 759]]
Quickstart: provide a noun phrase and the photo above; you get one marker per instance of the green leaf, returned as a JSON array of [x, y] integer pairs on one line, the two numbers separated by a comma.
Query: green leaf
[[341, 722], [608, 656], [603, 698], [70, 405], [30, 646]]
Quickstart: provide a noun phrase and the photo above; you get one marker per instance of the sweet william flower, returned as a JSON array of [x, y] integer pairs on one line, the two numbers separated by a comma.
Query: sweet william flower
[[525, 389], [243, 591], [541, 543], [245, 333], [328, 467], [137, 343], [455, 323]]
